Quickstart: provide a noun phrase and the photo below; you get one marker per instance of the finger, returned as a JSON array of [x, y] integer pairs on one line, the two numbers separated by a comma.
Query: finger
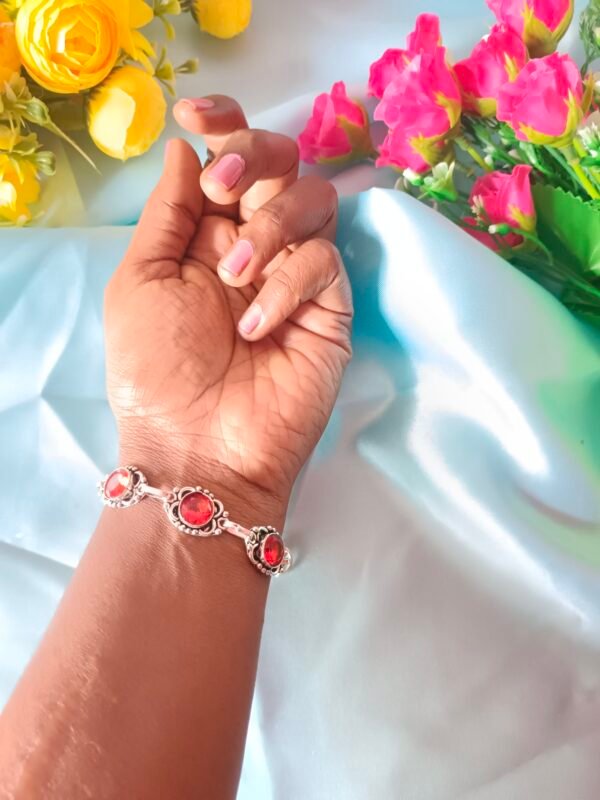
[[306, 209], [170, 218], [313, 272], [247, 157], [214, 117], [218, 117]]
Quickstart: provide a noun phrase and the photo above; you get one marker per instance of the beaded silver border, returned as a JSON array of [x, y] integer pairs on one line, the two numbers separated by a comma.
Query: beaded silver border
[[212, 528], [254, 548], [135, 493]]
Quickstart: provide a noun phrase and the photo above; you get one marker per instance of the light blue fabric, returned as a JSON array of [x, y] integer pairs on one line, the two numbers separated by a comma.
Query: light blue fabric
[[439, 635], [440, 630]]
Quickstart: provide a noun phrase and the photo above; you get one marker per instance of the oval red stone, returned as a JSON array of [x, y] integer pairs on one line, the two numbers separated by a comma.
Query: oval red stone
[[273, 550], [196, 509], [117, 484]]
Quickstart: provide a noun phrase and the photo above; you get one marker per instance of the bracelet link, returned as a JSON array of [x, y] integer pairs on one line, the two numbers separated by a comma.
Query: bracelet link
[[195, 511]]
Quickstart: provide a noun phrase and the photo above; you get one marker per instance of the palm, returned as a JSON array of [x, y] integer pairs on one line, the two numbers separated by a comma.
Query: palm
[[257, 407]]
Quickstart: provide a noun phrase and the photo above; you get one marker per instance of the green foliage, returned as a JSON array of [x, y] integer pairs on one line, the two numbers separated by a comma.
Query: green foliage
[[571, 226], [589, 30]]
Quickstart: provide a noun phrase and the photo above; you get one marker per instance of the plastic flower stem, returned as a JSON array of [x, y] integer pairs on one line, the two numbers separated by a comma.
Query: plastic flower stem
[[561, 273], [594, 172], [583, 179], [531, 237], [470, 150], [531, 157], [562, 162]]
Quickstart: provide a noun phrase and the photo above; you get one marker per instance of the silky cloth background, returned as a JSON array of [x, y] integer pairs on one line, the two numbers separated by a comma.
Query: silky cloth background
[[439, 635]]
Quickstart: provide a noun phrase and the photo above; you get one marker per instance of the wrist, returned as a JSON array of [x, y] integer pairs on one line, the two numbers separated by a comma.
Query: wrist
[[171, 466]]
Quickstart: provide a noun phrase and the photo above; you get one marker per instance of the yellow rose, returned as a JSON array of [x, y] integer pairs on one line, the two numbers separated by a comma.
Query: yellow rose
[[10, 60], [126, 115], [223, 18], [71, 45], [19, 188]]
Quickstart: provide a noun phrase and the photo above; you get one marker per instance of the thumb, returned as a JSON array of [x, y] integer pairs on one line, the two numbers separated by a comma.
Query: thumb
[[171, 216]]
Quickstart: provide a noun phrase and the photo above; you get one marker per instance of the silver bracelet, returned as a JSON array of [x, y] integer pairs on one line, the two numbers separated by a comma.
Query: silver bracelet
[[197, 512]]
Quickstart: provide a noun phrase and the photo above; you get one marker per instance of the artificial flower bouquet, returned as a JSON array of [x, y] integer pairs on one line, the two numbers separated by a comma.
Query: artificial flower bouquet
[[506, 142], [86, 64]]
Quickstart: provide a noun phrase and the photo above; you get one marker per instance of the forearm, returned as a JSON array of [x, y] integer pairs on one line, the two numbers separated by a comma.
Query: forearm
[[143, 684]]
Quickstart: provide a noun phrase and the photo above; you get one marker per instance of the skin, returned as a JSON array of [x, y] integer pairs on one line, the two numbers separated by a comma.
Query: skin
[[142, 686]]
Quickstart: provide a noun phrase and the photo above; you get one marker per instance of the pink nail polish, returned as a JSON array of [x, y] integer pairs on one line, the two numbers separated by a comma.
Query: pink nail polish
[[251, 319], [228, 170], [238, 258], [199, 103]]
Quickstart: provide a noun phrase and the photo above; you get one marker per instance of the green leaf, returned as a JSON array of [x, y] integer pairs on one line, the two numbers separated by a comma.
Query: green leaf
[[570, 227], [589, 30]]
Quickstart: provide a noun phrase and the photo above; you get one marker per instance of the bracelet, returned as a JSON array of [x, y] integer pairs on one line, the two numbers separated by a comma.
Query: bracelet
[[197, 512]]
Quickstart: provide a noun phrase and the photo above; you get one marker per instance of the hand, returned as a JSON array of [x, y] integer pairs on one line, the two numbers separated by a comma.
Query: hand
[[228, 322]]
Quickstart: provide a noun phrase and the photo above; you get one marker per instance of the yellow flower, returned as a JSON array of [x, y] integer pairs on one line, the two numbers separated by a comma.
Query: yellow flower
[[126, 115], [10, 60], [223, 18], [71, 45], [19, 188]]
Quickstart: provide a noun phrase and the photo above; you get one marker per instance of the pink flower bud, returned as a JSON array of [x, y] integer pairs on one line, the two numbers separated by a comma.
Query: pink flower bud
[[540, 23], [546, 102], [496, 59], [424, 39], [422, 106], [498, 199], [404, 149], [337, 131]]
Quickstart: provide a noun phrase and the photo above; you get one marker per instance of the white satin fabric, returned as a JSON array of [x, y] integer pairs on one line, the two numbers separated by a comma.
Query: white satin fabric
[[439, 636]]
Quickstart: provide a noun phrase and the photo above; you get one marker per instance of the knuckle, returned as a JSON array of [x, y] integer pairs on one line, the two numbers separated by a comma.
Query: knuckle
[[317, 185], [327, 253], [269, 218], [284, 287]]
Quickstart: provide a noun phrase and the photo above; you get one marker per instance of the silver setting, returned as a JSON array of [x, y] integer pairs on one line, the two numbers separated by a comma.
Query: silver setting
[[135, 492], [254, 548], [254, 539], [214, 527]]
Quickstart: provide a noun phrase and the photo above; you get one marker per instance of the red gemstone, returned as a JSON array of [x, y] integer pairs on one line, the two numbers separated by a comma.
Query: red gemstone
[[117, 484], [196, 509], [273, 550]]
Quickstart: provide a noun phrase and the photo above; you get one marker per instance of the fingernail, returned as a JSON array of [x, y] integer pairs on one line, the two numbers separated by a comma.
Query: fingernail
[[251, 319], [228, 170], [199, 103], [238, 258]]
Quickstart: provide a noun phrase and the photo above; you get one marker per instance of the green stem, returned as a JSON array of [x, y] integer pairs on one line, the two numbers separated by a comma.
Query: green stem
[[470, 150], [564, 165], [580, 173], [593, 172]]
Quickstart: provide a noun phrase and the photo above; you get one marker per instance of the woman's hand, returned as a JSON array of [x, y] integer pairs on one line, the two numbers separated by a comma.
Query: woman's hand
[[158, 633], [228, 322]]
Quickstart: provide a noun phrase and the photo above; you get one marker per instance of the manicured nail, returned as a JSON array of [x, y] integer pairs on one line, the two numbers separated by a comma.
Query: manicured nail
[[238, 258], [251, 319], [228, 170], [199, 103]]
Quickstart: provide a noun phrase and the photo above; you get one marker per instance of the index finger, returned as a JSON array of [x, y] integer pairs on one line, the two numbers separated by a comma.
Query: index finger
[[215, 117], [265, 164]]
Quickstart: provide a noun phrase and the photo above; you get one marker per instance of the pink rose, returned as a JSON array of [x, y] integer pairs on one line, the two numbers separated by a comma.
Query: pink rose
[[424, 39], [546, 102], [540, 23], [337, 131], [501, 199], [403, 150], [496, 59], [425, 96], [422, 106]]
